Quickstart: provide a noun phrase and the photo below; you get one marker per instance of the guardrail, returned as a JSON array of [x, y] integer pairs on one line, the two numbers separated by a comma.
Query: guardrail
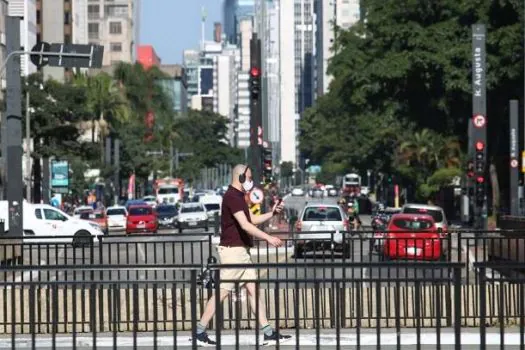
[[109, 314], [59, 261]]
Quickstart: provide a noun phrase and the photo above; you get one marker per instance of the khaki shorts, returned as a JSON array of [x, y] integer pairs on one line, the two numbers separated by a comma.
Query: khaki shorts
[[235, 255]]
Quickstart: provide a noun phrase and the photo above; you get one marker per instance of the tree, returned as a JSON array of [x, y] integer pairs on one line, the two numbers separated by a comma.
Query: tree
[[57, 111], [106, 103], [407, 68]]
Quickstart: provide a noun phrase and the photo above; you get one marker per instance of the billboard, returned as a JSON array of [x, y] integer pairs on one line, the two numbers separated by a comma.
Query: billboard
[[60, 174]]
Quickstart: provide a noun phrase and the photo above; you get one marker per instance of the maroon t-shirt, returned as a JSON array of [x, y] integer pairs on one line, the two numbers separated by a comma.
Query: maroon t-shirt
[[232, 234]]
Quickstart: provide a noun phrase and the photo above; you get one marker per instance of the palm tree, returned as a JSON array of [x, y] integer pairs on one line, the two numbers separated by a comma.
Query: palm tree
[[106, 101]]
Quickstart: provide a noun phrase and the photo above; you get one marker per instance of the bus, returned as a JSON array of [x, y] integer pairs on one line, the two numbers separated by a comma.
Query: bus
[[351, 184]]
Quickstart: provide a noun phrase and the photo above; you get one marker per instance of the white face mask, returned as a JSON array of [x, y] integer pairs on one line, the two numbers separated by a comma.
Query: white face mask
[[247, 185]]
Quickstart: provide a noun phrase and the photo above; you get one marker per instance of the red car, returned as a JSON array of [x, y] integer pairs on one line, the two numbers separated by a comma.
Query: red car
[[414, 236], [141, 218]]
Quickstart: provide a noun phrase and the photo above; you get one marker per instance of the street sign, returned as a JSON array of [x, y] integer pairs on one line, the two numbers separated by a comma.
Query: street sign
[[68, 60], [514, 163], [265, 144], [255, 209], [259, 131], [479, 121], [40, 60], [256, 196], [259, 141]]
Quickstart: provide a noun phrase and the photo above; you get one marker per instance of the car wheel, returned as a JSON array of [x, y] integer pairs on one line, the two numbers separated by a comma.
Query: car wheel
[[82, 239]]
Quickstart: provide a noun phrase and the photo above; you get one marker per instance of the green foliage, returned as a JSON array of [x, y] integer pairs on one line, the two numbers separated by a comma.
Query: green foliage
[[286, 169], [400, 100]]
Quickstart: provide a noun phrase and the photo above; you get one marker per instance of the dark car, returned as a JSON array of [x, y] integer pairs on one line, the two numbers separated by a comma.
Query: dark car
[[167, 215]]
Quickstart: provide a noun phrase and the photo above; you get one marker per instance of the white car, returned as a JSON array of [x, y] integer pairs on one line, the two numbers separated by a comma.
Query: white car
[[82, 209], [296, 192], [150, 200], [192, 215], [46, 221], [116, 217]]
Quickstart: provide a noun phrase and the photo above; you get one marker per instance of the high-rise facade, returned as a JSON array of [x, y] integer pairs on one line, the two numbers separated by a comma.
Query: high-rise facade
[[342, 13], [235, 11], [242, 123], [113, 24]]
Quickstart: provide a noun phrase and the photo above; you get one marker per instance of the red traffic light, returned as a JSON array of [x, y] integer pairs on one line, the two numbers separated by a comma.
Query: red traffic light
[[470, 174], [255, 72], [480, 179], [480, 146]]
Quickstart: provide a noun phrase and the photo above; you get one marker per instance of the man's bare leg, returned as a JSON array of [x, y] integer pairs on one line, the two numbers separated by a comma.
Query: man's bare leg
[[251, 289], [209, 310]]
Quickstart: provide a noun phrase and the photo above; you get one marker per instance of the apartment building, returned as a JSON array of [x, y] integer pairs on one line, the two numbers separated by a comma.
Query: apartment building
[[112, 23]]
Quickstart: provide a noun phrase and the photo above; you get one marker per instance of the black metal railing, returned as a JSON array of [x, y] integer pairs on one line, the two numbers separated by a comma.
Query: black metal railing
[[60, 261], [139, 313]]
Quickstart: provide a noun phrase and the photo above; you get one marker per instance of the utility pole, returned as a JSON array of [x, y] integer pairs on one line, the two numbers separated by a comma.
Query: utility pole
[[29, 186], [116, 180], [256, 130], [14, 129], [171, 158]]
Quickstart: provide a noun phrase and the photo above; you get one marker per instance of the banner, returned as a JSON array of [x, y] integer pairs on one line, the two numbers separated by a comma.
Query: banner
[[131, 187], [59, 174]]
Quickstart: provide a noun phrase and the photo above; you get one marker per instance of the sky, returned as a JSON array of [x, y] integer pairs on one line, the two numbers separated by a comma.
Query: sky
[[172, 26]]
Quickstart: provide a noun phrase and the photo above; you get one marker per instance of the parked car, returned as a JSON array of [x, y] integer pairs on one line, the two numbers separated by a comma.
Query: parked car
[[141, 218], [213, 205], [167, 215], [117, 217], [414, 236], [82, 209], [316, 226], [99, 217], [150, 200], [192, 215], [437, 213]]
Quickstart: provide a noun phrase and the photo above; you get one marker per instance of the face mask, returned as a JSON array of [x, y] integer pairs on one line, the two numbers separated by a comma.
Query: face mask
[[247, 185]]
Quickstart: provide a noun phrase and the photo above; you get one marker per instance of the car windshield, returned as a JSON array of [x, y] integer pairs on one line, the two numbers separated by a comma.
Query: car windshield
[[168, 190], [140, 211], [436, 214], [322, 214], [167, 209], [119, 211], [212, 206], [191, 209], [412, 224]]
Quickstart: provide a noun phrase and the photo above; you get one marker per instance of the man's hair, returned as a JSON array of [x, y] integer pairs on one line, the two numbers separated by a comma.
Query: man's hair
[[239, 169]]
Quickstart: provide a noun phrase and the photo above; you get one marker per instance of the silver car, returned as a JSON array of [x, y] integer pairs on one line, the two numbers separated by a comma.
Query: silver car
[[437, 213], [321, 227]]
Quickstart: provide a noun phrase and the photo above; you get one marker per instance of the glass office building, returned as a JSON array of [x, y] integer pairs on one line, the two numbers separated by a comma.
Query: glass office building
[[233, 12]]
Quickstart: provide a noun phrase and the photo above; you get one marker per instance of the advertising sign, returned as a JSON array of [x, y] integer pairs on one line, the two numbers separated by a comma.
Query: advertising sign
[[59, 174]]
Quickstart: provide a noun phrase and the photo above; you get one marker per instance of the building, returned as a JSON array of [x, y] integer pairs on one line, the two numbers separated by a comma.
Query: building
[[242, 123], [342, 13], [234, 11], [111, 23], [54, 25], [288, 149], [147, 56], [190, 62], [28, 29], [226, 66], [175, 86]]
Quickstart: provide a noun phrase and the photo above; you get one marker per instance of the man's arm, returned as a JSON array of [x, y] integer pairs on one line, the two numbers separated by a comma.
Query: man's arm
[[259, 219], [250, 227]]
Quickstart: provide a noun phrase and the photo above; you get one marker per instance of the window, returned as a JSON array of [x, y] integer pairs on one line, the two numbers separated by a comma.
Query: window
[[116, 10], [322, 214], [436, 214], [115, 28], [168, 190], [38, 214], [212, 206], [138, 211], [93, 30], [192, 209], [67, 17], [37, 16], [93, 11], [54, 215], [409, 224], [67, 39], [115, 47], [116, 211]]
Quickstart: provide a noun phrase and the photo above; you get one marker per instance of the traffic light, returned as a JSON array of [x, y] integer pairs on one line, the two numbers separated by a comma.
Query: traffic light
[[470, 168], [480, 158], [480, 190], [267, 163], [255, 82]]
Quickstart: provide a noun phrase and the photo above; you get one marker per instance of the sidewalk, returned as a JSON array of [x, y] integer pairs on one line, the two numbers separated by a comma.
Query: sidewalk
[[307, 339]]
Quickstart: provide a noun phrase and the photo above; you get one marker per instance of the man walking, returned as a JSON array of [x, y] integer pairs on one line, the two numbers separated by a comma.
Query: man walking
[[238, 227]]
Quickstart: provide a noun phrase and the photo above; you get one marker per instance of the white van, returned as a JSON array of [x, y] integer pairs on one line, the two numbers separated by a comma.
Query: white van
[[213, 204], [43, 220]]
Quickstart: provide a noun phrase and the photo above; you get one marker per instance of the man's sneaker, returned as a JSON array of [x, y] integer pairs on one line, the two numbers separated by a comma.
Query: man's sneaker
[[275, 337], [204, 340]]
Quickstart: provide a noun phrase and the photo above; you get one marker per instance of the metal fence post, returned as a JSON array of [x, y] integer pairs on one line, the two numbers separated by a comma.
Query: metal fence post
[[457, 307], [193, 301]]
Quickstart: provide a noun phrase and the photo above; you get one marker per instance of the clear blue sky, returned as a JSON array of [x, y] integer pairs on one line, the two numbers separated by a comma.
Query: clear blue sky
[[172, 26]]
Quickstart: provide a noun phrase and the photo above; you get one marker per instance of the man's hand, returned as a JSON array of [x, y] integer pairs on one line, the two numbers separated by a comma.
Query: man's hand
[[278, 207], [275, 242]]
